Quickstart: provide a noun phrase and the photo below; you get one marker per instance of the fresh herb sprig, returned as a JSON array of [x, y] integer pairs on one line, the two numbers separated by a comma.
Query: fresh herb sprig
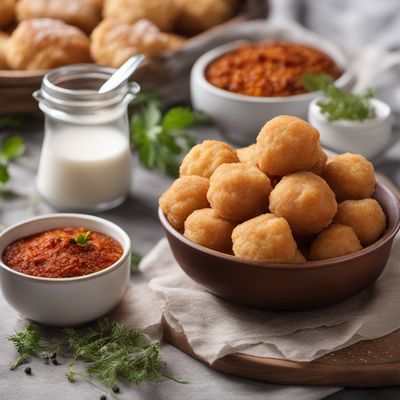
[[111, 352], [339, 104], [135, 261], [11, 148], [162, 139], [82, 239], [27, 344]]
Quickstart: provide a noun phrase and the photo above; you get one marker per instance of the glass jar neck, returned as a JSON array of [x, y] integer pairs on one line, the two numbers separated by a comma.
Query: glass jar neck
[[71, 92]]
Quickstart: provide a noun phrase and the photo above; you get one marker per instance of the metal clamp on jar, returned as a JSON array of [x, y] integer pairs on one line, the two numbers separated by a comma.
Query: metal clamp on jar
[[85, 162]]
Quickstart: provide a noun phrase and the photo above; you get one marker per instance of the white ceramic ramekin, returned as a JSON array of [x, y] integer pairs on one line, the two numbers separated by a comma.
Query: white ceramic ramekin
[[369, 137], [65, 301], [241, 117]]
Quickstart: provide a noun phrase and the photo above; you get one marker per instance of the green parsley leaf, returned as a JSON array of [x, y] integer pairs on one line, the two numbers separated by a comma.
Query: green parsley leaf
[[337, 103], [11, 120], [12, 147], [135, 261], [26, 343], [82, 239], [182, 118], [4, 175], [162, 140]]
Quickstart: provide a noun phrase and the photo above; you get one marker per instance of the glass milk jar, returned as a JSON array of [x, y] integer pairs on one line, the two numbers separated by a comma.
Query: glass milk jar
[[85, 162]]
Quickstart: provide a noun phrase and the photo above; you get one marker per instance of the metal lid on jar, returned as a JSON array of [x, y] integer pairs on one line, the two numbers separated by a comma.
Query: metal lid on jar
[[73, 89]]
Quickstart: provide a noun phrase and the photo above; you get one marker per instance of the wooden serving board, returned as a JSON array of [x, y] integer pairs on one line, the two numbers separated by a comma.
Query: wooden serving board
[[368, 363]]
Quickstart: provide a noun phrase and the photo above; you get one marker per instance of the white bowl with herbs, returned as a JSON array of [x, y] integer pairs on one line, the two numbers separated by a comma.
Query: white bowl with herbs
[[357, 123]]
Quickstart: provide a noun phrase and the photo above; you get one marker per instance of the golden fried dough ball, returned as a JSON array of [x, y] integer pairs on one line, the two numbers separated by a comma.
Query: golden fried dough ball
[[287, 144], [305, 200], [198, 16], [351, 176], [207, 228], [7, 12], [319, 167], [162, 13], [79, 13], [204, 158], [4, 37], [265, 238], [46, 43], [185, 195], [299, 258], [248, 154], [97, 3], [335, 241], [112, 43], [239, 191], [366, 217]]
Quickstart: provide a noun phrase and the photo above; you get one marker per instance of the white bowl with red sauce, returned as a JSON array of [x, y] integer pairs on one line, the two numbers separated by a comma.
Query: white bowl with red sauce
[[66, 301], [242, 116]]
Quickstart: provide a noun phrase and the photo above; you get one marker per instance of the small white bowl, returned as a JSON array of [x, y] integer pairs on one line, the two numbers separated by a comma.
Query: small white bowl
[[65, 301], [241, 117], [369, 137]]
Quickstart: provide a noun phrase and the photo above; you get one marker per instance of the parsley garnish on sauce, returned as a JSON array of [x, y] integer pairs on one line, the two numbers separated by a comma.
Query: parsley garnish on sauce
[[337, 103], [82, 239]]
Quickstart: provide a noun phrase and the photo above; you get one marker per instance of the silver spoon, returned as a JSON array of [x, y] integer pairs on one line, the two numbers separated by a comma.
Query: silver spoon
[[122, 74]]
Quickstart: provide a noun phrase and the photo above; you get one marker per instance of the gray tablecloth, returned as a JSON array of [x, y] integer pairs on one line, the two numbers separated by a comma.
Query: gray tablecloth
[[138, 217]]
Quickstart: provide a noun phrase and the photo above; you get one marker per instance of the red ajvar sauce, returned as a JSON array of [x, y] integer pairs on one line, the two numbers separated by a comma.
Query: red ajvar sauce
[[269, 69], [55, 254]]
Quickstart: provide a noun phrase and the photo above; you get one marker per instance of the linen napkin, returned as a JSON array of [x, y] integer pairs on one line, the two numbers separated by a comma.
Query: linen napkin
[[215, 328]]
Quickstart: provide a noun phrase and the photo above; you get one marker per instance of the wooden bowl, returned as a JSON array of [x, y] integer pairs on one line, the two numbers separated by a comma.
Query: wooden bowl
[[287, 287]]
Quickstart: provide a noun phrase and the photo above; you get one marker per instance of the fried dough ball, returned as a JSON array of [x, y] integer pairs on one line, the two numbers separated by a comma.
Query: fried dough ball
[[97, 3], [79, 13], [162, 13], [287, 144], [112, 43], [366, 217], [335, 241], [4, 37], [204, 158], [305, 200], [351, 176], [198, 16], [265, 238], [239, 191], [207, 228], [185, 195], [299, 258], [248, 154], [45, 44], [319, 167], [7, 12]]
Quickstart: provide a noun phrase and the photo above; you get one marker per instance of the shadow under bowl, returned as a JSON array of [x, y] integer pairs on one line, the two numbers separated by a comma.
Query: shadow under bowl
[[287, 287]]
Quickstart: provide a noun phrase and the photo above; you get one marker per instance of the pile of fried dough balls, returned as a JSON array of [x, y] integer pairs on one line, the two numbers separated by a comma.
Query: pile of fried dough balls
[[44, 34], [279, 200]]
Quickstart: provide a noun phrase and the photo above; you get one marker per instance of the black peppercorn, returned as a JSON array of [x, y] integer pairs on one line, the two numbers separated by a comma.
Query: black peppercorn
[[28, 370], [103, 397], [54, 361], [115, 389], [53, 356]]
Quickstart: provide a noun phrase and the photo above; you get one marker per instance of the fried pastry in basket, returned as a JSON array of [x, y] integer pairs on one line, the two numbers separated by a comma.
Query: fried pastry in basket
[[4, 37], [81, 13], [46, 43], [7, 12], [162, 13], [112, 43]]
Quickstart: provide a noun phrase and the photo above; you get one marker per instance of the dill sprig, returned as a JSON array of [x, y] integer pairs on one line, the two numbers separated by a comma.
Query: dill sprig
[[26, 343], [110, 351], [337, 103]]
